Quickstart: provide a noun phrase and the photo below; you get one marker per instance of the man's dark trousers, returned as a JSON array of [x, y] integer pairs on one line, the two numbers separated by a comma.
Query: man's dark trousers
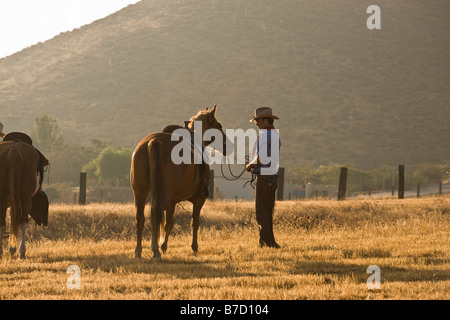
[[265, 202]]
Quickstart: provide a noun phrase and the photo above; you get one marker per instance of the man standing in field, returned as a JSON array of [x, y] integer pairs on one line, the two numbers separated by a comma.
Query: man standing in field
[[265, 165]]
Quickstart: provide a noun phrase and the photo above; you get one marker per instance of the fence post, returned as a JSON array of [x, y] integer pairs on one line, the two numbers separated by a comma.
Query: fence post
[[280, 184], [401, 181], [440, 188], [418, 190], [393, 183], [82, 196], [211, 185], [342, 184]]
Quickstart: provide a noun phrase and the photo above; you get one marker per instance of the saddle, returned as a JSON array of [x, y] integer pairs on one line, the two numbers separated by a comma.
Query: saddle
[[204, 172], [23, 137], [18, 137]]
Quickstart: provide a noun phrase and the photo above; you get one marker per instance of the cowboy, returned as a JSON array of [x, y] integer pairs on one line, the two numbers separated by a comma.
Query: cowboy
[[1, 131], [265, 166]]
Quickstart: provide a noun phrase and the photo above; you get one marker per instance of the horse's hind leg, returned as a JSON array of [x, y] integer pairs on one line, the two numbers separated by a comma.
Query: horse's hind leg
[[2, 225], [23, 227], [155, 235], [2, 231], [169, 225], [22, 249], [139, 201], [198, 204]]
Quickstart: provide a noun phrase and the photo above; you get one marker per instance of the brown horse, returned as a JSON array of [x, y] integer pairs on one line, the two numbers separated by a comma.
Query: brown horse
[[153, 170], [20, 182]]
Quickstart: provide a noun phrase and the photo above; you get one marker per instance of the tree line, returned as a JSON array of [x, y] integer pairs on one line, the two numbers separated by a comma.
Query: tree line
[[103, 164]]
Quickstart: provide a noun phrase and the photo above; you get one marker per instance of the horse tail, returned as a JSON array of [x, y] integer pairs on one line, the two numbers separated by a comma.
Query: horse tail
[[156, 188], [13, 163]]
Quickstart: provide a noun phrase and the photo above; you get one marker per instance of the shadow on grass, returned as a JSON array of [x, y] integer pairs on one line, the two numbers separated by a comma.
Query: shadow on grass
[[183, 268], [358, 272], [190, 268]]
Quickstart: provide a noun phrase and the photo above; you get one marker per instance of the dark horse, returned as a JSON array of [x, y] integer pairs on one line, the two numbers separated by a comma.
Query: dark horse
[[20, 189], [152, 170]]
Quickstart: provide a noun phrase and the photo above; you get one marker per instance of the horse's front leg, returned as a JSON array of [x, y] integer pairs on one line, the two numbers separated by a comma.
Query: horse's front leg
[[22, 247], [198, 204]]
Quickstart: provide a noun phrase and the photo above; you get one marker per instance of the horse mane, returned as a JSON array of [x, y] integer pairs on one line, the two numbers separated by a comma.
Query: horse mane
[[199, 116]]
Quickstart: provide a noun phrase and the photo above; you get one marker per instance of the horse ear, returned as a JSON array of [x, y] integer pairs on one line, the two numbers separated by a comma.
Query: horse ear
[[206, 109], [213, 110]]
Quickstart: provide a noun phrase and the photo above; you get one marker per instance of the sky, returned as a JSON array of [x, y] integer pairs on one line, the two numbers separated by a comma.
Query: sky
[[26, 22]]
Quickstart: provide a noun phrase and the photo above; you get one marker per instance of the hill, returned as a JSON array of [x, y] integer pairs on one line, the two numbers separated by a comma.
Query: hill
[[343, 93]]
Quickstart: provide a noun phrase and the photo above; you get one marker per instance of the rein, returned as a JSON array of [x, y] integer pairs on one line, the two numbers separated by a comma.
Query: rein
[[235, 177]]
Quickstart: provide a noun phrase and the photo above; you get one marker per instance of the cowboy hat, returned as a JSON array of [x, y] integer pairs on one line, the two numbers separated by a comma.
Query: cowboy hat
[[263, 112]]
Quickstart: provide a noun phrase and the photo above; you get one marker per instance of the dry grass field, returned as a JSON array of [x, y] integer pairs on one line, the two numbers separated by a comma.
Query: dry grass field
[[327, 247]]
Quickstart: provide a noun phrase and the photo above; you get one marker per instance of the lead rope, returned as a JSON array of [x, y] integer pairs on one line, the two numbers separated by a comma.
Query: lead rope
[[251, 182], [235, 177]]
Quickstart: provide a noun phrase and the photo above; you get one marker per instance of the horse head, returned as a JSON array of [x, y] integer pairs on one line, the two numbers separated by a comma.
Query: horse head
[[209, 121]]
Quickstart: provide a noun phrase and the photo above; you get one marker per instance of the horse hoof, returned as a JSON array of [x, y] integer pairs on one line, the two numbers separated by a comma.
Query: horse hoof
[[194, 248], [12, 250], [137, 253], [156, 255], [164, 247], [22, 256]]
